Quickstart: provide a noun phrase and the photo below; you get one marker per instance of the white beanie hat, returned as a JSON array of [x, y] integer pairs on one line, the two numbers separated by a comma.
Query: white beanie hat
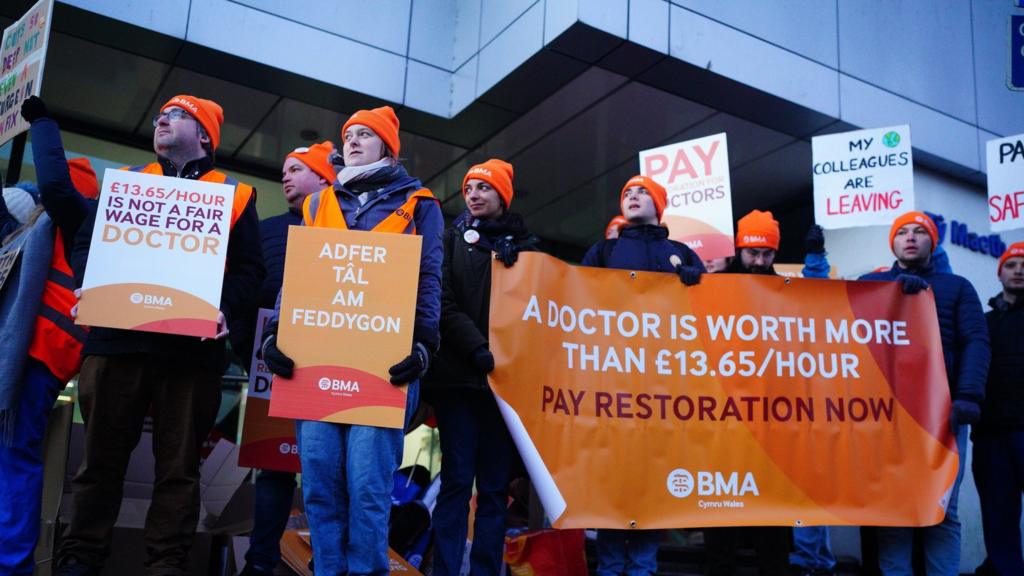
[[19, 203]]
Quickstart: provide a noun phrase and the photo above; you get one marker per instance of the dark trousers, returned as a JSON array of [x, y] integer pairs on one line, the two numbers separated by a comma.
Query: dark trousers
[[115, 393], [771, 544], [273, 504], [998, 467], [474, 444]]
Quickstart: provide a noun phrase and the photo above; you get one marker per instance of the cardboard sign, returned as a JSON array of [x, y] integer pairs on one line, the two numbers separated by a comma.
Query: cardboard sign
[[8, 256], [862, 178], [156, 260], [747, 400], [1005, 158], [347, 311], [22, 58], [695, 175], [267, 443]]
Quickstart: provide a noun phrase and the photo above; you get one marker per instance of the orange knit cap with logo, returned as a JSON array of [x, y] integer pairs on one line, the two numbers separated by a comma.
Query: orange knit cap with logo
[[758, 230], [497, 173], [615, 224], [208, 113], [1016, 249], [83, 177], [914, 217], [654, 190], [382, 121], [316, 158]]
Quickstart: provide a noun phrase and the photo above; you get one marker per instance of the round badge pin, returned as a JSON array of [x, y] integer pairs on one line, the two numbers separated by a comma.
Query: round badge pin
[[471, 236]]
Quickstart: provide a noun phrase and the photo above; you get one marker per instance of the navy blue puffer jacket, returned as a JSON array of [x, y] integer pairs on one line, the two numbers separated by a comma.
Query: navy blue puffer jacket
[[965, 343], [644, 247]]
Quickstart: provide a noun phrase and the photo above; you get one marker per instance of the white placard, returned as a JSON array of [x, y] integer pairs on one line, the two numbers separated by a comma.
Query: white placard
[[1005, 158], [862, 178]]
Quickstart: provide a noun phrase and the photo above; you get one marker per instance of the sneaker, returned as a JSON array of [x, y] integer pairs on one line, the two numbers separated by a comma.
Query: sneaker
[[72, 567]]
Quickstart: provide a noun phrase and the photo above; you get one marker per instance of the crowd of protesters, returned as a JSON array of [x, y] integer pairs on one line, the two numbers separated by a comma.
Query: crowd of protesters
[[348, 470]]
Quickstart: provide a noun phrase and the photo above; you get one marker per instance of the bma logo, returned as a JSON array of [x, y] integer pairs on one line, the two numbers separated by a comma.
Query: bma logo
[[150, 300], [754, 238], [335, 385], [483, 171], [681, 484], [288, 448]]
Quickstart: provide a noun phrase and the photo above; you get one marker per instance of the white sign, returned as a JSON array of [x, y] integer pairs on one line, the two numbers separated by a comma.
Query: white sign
[[1006, 183], [695, 175], [259, 375], [862, 178], [22, 58], [156, 261]]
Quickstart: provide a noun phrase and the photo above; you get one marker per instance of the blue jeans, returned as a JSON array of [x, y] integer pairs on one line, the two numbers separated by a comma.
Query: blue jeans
[[21, 470], [273, 505], [999, 473], [812, 549], [627, 552], [474, 444], [347, 478], [941, 542]]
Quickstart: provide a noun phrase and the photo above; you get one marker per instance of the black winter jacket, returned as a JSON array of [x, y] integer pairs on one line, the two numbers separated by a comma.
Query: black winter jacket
[[1003, 409], [641, 247], [965, 346], [242, 276], [466, 297]]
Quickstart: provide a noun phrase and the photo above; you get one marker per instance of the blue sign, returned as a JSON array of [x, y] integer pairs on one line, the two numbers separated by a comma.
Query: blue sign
[[1017, 52], [989, 244]]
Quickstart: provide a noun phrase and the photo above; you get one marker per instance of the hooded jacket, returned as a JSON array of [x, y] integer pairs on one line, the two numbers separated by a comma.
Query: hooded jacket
[[466, 297], [641, 247], [965, 342], [1003, 410]]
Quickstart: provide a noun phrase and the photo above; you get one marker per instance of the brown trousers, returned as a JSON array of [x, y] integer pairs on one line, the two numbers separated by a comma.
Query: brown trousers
[[115, 393]]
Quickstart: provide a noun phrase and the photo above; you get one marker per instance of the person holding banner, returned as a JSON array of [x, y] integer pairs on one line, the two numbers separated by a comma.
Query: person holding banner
[[642, 244], [965, 347], [999, 434], [124, 372], [54, 342], [475, 444], [306, 170], [757, 241], [348, 469]]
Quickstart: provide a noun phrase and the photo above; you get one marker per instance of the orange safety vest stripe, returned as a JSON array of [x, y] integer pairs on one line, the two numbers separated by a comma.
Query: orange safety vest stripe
[[243, 192], [56, 339], [329, 214]]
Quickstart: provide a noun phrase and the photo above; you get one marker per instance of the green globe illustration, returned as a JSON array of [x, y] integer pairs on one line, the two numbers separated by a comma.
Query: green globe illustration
[[891, 139]]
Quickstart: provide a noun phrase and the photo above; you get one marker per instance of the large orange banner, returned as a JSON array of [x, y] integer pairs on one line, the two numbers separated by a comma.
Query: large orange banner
[[637, 402], [348, 303]]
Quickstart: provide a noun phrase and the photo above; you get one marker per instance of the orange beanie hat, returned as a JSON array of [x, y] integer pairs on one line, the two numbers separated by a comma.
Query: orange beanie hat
[[758, 230], [1015, 250], [914, 218], [655, 190], [316, 158], [497, 173], [208, 113], [83, 177], [382, 121], [615, 225]]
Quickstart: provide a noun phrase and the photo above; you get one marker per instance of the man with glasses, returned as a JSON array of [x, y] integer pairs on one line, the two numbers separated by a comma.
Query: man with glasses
[[124, 372]]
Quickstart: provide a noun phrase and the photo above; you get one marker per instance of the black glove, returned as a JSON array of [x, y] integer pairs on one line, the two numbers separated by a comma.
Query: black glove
[[815, 240], [412, 367], [276, 360], [964, 412], [483, 359], [506, 251], [912, 284], [33, 109], [690, 275]]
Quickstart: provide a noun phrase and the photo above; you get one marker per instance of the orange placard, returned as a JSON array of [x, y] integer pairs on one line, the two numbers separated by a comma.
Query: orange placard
[[347, 311], [267, 443], [746, 400]]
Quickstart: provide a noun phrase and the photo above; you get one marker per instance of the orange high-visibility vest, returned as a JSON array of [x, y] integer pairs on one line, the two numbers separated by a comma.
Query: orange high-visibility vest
[[243, 192], [56, 339], [329, 215]]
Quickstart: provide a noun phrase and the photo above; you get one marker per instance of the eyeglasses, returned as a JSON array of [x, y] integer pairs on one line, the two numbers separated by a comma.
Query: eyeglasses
[[172, 115]]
